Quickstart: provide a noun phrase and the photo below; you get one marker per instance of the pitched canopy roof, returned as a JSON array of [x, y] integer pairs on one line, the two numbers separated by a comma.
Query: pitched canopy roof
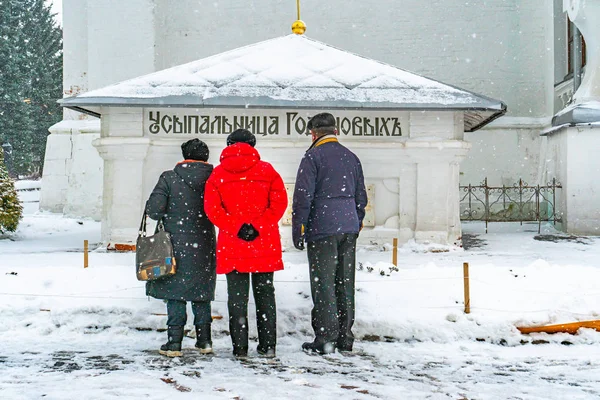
[[290, 72]]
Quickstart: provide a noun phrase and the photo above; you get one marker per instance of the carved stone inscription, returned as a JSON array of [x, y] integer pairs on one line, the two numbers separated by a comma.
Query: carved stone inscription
[[274, 123]]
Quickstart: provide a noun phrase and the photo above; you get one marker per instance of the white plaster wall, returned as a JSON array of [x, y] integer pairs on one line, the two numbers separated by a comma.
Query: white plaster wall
[[500, 48], [121, 40], [555, 166], [55, 178], [59, 145], [72, 181], [75, 49], [582, 190], [504, 152], [84, 196], [571, 162]]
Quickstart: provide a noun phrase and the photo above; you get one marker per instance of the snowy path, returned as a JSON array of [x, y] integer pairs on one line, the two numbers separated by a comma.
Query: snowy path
[[110, 367], [74, 333]]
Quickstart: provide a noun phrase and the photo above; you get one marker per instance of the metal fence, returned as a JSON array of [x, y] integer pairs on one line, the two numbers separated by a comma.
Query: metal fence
[[517, 203]]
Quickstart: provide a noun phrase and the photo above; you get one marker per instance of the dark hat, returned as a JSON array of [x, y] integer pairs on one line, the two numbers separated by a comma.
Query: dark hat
[[195, 149], [322, 120], [241, 136]]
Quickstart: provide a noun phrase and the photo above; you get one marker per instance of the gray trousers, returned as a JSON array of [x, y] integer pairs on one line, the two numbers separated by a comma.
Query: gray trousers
[[332, 276]]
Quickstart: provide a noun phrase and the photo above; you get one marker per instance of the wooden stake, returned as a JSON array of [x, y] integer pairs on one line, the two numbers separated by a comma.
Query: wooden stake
[[467, 292], [85, 253], [395, 253]]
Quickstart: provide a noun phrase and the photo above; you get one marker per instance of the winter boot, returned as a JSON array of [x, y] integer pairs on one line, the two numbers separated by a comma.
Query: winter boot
[[238, 329], [241, 353], [344, 344], [173, 347], [319, 347], [203, 339], [266, 353]]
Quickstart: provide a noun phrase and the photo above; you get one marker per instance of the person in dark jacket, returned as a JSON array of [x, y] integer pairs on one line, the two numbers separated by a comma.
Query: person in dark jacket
[[245, 199], [178, 199], [327, 212]]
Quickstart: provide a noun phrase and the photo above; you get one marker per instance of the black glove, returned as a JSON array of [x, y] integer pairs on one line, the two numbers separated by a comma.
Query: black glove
[[247, 232], [299, 243]]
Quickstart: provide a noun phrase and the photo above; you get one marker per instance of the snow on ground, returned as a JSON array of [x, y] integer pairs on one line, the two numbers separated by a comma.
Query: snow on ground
[[73, 333]]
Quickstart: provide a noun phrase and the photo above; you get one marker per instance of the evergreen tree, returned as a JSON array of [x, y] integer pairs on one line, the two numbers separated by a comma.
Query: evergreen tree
[[11, 210], [30, 79]]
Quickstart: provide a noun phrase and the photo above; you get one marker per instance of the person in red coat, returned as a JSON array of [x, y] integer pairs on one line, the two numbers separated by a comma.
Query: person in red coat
[[245, 198]]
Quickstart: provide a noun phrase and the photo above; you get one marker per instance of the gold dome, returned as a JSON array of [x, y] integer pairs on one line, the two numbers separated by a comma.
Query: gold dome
[[299, 27]]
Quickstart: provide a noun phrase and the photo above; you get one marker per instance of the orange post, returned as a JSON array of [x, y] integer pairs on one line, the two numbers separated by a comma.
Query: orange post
[[570, 328], [85, 253], [395, 252], [467, 289]]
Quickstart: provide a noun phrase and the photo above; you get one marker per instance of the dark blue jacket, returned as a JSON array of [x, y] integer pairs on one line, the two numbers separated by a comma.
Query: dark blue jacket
[[330, 195]]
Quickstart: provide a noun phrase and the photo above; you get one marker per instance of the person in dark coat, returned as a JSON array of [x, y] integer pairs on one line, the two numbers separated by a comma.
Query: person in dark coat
[[245, 199], [178, 199], [327, 212]]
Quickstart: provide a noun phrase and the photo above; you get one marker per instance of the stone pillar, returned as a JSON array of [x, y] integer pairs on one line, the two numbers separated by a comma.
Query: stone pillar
[[435, 196], [123, 197], [585, 14]]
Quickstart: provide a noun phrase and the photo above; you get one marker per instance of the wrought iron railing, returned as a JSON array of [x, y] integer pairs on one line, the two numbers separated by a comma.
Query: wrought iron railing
[[517, 203]]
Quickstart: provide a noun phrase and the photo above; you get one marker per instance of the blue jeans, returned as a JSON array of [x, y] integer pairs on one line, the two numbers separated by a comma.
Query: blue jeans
[[177, 316]]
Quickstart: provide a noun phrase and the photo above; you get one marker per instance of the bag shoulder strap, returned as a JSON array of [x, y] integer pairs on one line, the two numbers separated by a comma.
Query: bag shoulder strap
[[142, 230]]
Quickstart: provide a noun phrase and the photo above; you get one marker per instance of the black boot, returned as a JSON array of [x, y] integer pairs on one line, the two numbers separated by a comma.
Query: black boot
[[238, 329], [240, 352], [344, 344], [319, 347], [203, 339], [266, 353], [173, 347]]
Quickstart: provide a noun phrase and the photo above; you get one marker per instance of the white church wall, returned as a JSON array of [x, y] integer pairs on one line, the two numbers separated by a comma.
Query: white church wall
[[571, 162], [504, 152], [503, 49], [121, 40], [55, 182], [84, 197], [72, 180], [583, 188], [75, 50], [493, 48], [555, 166]]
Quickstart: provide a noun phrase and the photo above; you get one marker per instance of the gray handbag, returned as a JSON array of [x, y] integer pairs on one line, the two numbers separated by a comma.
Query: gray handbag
[[154, 257]]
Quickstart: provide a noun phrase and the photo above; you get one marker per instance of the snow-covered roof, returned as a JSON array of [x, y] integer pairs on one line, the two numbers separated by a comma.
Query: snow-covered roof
[[291, 72]]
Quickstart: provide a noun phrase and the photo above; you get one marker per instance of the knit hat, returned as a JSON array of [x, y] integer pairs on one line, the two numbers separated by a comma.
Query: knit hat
[[241, 136], [195, 149]]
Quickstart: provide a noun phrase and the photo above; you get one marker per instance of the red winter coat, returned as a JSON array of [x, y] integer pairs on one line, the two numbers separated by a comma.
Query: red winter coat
[[244, 189]]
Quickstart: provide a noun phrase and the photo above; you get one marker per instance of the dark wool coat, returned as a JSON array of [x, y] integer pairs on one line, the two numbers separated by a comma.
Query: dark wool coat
[[178, 198], [244, 189], [330, 195]]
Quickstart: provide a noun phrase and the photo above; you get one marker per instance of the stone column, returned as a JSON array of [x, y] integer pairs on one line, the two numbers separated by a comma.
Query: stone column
[[123, 198], [437, 217]]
